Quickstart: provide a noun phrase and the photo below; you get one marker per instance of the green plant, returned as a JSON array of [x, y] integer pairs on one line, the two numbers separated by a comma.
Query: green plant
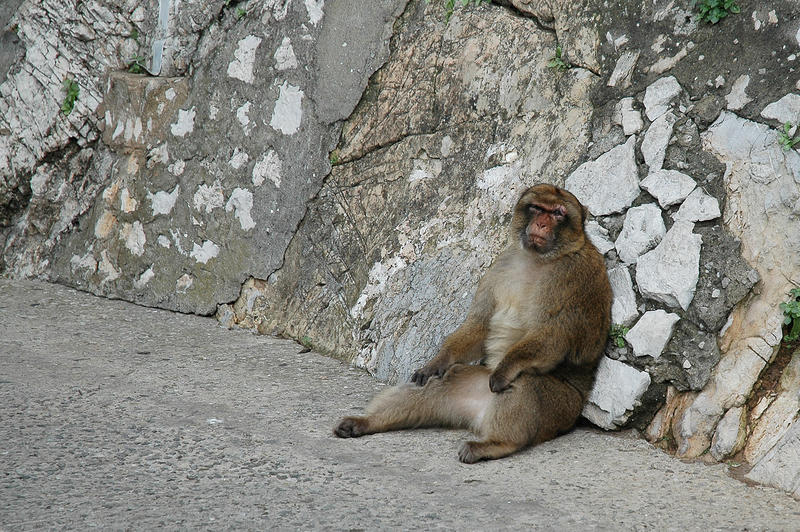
[[334, 157], [72, 91], [617, 334], [557, 62], [785, 138], [135, 34], [306, 341], [450, 5], [240, 12], [791, 313], [712, 11], [136, 65]]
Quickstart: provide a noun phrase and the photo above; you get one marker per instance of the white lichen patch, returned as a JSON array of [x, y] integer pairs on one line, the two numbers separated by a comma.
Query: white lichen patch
[[288, 112], [106, 267], [284, 55], [177, 167], [241, 202], [208, 198], [379, 274], [162, 202], [185, 123], [268, 167], [241, 67], [144, 278], [243, 118], [163, 241], [134, 237], [314, 8], [238, 159], [127, 203], [170, 94], [212, 111], [204, 253], [86, 262]]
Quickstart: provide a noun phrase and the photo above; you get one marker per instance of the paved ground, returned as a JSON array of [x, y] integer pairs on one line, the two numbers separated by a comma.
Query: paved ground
[[115, 416]]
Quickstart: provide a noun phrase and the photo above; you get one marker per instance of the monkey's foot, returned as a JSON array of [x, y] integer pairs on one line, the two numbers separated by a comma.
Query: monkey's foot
[[351, 427], [475, 451]]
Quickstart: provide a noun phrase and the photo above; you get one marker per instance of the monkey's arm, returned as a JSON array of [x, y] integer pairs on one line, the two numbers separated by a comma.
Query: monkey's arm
[[533, 354]]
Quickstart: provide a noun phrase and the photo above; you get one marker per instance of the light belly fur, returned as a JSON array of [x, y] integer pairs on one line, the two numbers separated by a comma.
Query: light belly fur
[[504, 331]]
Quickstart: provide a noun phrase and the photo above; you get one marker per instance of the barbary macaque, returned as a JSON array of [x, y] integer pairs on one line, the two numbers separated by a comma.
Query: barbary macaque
[[538, 323]]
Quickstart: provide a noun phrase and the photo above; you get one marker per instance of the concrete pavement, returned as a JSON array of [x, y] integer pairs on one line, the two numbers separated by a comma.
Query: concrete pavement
[[116, 416]]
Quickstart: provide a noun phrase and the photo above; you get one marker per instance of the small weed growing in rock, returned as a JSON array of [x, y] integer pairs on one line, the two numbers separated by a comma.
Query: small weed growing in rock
[[240, 12], [136, 65], [712, 11], [617, 334], [72, 91], [135, 34], [785, 138], [334, 157], [450, 5], [791, 313], [557, 62]]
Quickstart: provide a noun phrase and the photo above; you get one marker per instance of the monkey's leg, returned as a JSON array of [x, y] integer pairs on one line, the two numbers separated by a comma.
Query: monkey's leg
[[459, 399], [534, 410]]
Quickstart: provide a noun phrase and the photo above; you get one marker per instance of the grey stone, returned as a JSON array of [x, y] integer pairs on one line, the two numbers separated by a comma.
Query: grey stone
[[669, 187], [598, 235], [698, 207], [629, 118], [642, 230], [623, 70], [623, 307], [729, 436], [787, 109], [737, 98], [608, 184], [651, 333], [656, 139], [659, 95], [781, 465], [617, 390], [669, 273]]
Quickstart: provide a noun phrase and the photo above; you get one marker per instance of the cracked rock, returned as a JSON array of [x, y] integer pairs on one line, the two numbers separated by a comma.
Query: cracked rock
[[787, 109], [623, 307], [616, 393], [737, 98], [629, 118], [659, 95], [651, 333], [669, 187], [669, 273], [656, 139], [698, 207], [730, 432], [642, 230], [598, 235], [608, 184]]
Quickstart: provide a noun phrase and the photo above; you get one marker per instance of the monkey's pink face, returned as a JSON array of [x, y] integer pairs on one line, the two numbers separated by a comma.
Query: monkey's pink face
[[542, 228]]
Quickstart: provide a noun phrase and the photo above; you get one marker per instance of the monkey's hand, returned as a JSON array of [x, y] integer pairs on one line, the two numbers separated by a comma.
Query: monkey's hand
[[434, 368], [499, 381]]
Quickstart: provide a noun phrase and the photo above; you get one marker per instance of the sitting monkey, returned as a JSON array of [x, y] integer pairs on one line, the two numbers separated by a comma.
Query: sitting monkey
[[539, 322]]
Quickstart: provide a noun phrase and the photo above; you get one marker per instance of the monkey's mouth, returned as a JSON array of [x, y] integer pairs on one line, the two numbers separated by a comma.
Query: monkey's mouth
[[535, 242]]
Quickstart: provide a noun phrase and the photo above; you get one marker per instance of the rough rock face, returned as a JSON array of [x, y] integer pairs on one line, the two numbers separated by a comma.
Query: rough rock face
[[342, 173]]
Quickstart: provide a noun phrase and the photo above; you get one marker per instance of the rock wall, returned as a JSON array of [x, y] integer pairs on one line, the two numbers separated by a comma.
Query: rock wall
[[342, 173]]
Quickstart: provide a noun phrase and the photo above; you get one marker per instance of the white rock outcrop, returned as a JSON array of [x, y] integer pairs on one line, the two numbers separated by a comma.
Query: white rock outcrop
[[659, 95], [616, 392], [656, 139], [787, 109], [669, 273], [642, 230], [669, 187], [698, 207], [608, 184], [623, 307], [651, 333], [598, 235]]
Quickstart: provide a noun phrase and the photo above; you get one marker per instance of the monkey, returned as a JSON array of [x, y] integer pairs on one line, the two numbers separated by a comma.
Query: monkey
[[538, 323]]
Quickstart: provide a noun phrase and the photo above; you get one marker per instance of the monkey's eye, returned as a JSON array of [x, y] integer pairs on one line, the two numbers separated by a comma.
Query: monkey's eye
[[533, 209], [560, 213]]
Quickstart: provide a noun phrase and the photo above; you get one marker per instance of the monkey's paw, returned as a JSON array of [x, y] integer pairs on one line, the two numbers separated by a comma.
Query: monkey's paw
[[351, 427], [421, 376], [468, 453], [499, 382]]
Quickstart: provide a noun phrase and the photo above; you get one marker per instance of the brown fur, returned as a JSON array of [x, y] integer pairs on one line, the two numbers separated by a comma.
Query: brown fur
[[539, 322]]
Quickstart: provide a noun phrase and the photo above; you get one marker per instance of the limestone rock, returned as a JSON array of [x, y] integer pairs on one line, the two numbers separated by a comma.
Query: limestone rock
[[623, 70], [729, 436], [787, 109], [669, 273], [698, 207], [617, 390], [598, 235], [659, 95], [651, 333], [737, 98], [656, 139], [630, 118], [781, 466], [669, 187], [608, 184], [623, 307], [642, 230]]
